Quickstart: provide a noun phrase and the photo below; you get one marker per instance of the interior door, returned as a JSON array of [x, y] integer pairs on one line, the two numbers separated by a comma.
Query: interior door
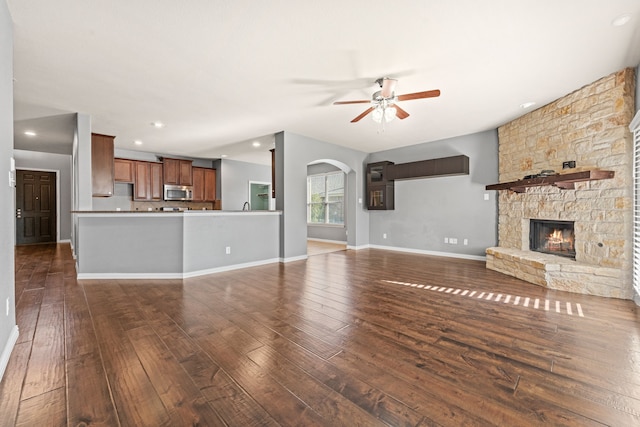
[[35, 207]]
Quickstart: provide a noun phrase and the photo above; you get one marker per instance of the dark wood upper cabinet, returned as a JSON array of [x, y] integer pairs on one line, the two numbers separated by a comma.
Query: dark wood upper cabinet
[[432, 168], [204, 184], [177, 171], [198, 184], [380, 188], [148, 181], [209, 185], [123, 170], [155, 171], [142, 184], [102, 168]]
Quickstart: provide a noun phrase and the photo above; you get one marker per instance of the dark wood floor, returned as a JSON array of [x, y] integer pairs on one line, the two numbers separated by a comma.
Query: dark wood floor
[[346, 338]]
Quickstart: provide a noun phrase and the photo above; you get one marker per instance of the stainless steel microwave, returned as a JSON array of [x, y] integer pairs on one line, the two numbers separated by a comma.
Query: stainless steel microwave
[[178, 192]]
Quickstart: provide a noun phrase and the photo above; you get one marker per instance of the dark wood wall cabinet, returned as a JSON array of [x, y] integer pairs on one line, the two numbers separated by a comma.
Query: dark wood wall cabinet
[[565, 181], [102, 168], [123, 170], [147, 181], [204, 185], [382, 175], [177, 171], [379, 186]]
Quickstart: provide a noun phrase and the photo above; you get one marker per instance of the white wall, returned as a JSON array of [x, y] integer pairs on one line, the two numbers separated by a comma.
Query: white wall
[[60, 163], [8, 327]]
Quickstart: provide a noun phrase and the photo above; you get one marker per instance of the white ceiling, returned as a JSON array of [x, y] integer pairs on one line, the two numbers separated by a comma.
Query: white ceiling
[[222, 73]]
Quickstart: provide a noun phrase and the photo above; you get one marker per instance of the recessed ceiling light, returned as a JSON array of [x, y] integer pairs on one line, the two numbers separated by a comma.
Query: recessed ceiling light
[[30, 133], [527, 104], [157, 124], [621, 20], [256, 144], [137, 142], [223, 155]]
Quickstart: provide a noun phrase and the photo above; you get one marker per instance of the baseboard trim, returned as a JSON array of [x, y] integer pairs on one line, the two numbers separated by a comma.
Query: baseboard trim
[[357, 248], [433, 253], [292, 259], [8, 348], [230, 267]]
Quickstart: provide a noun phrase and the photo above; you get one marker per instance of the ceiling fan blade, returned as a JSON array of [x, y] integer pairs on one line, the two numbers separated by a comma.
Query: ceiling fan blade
[[388, 86], [419, 95], [351, 102], [367, 111], [400, 113]]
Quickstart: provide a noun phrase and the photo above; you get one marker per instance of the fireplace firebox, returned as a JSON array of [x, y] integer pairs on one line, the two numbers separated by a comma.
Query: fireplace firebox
[[552, 237]]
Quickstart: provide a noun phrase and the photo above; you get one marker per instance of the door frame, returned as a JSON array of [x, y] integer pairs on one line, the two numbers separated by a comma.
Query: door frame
[[57, 172], [269, 192]]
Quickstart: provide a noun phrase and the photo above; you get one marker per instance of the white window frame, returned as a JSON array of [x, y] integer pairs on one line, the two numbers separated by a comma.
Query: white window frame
[[635, 128], [326, 222]]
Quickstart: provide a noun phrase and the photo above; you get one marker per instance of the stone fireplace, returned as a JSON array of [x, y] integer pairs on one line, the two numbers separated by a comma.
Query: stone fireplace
[[552, 237], [590, 127]]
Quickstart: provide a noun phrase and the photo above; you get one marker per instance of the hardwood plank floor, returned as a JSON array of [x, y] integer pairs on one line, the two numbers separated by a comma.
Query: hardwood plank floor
[[345, 338]]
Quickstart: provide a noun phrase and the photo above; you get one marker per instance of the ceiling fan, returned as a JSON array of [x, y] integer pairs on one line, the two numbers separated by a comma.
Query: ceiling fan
[[383, 102]]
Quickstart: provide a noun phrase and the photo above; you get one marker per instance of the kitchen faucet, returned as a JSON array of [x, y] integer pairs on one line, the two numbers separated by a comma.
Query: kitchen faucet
[[246, 206]]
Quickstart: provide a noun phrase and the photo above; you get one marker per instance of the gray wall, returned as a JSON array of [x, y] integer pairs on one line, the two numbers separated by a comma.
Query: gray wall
[[121, 199], [82, 193], [8, 327], [135, 245], [53, 162], [293, 154], [326, 232], [234, 182], [428, 210]]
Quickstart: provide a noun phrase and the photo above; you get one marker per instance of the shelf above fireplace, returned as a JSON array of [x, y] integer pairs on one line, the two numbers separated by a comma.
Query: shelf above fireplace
[[564, 181]]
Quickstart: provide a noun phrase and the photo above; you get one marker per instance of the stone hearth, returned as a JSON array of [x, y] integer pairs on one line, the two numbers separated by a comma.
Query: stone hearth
[[589, 126]]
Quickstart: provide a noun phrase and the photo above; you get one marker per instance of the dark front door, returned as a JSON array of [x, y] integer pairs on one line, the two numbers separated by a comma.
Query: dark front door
[[35, 207]]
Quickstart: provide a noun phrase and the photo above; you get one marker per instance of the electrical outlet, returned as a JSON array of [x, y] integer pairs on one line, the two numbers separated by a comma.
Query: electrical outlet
[[446, 240], [384, 236], [453, 241], [228, 250], [465, 242], [486, 196]]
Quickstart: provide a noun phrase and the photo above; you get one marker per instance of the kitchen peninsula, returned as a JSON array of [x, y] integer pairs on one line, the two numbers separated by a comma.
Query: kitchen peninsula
[[173, 245]]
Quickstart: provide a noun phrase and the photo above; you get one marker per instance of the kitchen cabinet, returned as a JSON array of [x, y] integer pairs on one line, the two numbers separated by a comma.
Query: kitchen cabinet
[[209, 185], [380, 187], [123, 170], [155, 170], [204, 184], [148, 181], [177, 171], [102, 168], [198, 184]]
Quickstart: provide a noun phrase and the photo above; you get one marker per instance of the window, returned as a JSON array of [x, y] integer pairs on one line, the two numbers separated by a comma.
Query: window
[[325, 198]]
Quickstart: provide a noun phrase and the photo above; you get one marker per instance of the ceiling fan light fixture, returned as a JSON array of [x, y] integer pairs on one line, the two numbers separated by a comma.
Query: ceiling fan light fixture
[[390, 113], [377, 114]]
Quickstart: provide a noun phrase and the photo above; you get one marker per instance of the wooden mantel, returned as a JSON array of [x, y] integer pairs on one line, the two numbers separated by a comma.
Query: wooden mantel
[[564, 181]]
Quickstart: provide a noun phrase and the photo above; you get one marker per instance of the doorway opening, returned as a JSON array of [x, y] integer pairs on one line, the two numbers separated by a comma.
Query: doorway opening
[[260, 195]]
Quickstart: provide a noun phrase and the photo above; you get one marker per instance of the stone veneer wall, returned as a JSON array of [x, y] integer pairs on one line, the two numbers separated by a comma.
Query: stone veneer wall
[[589, 126]]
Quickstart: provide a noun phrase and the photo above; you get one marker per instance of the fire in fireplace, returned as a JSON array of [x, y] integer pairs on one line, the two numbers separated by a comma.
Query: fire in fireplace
[[552, 237]]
